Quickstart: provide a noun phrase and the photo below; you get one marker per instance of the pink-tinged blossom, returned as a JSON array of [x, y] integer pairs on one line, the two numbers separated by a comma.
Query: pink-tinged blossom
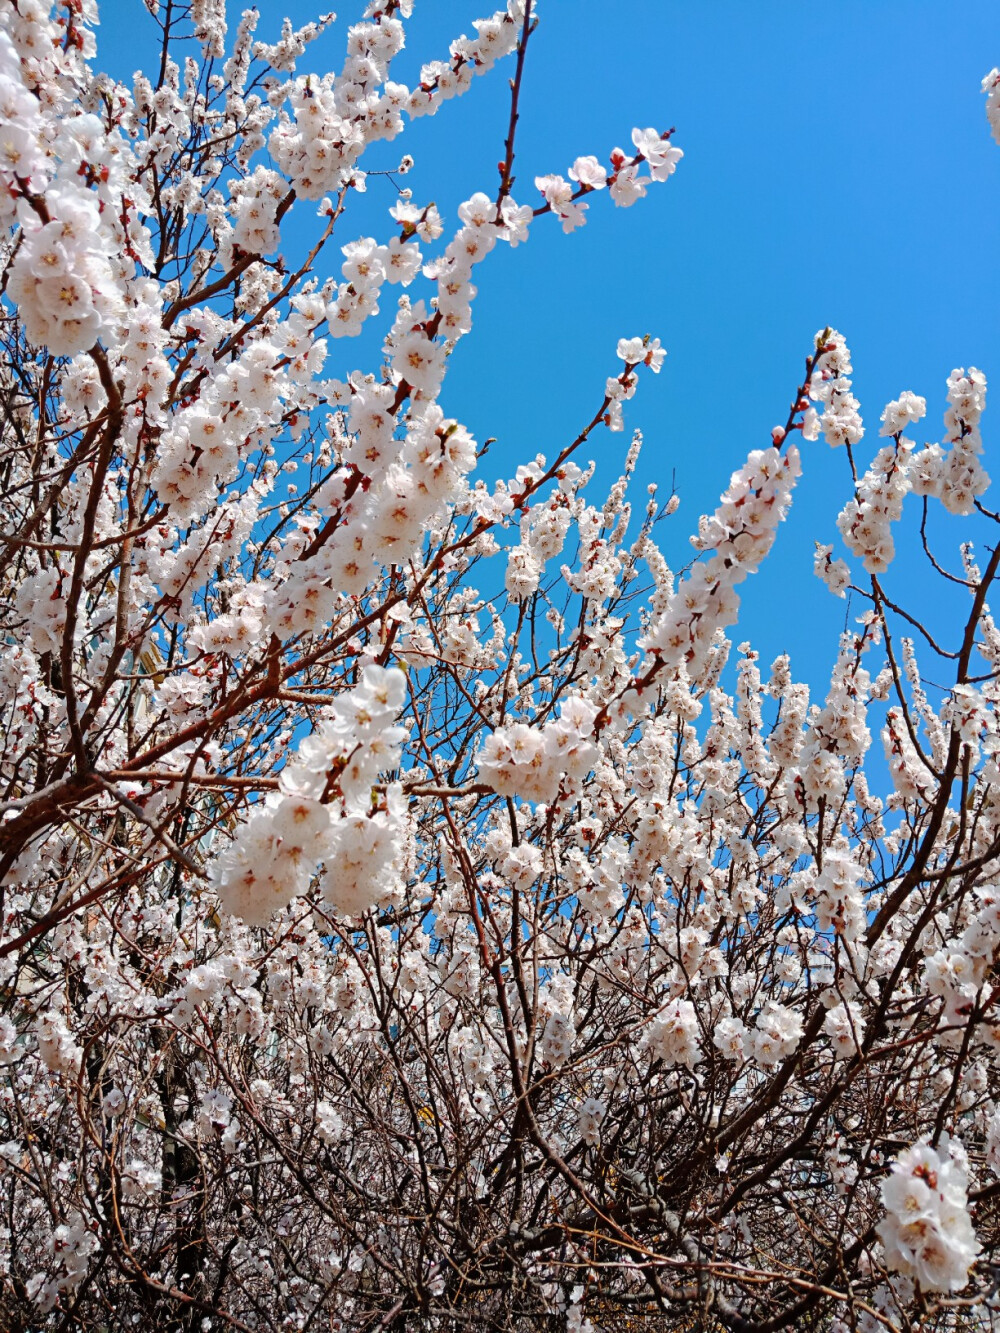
[[588, 171], [626, 185], [836, 574], [558, 194], [658, 152], [642, 351], [515, 220]]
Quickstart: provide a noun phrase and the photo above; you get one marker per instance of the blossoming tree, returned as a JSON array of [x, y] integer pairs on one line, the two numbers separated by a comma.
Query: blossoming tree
[[402, 926]]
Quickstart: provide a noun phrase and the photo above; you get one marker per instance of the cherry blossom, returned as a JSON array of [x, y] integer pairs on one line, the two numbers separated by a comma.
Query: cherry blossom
[[418, 906]]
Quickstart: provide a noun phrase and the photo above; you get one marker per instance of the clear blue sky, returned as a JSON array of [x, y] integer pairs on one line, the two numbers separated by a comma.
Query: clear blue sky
[[839, 169]]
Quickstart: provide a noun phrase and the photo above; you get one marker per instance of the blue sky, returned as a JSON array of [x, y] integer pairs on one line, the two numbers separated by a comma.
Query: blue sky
[[838, 169]]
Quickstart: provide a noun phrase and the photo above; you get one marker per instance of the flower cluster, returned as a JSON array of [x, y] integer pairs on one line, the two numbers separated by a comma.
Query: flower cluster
[[775, 1035], [912, 775], [325, 813], [556, 1019], [71, 1246], [61, 277], [865, 521], [592, 1112], [927, 1233], [333, 118], [736, 539], [835, 573], [955, 475], [61, 184], [538, 763], [24, 164], [991, 87], [844, 1024], [624, 182], [830, 386], [255, 202], [673, 1035]]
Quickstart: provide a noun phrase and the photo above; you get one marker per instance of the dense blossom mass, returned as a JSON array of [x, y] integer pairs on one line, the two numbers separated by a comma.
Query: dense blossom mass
[[413, 914]]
